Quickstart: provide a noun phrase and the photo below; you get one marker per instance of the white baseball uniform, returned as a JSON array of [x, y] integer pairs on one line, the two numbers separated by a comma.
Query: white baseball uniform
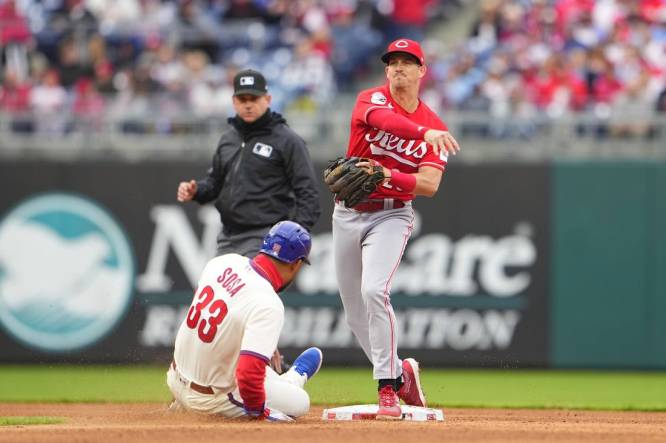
[[235, 310]]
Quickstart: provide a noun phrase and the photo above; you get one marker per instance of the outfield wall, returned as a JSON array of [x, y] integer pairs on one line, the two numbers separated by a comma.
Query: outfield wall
[[511, 265], [608, 304]]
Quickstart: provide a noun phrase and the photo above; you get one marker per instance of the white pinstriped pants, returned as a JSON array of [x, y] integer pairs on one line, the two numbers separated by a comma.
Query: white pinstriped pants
[[283, 392], [368, 247]]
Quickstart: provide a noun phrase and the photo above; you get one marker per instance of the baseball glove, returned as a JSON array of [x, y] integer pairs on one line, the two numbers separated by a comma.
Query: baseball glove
[[350, 183]]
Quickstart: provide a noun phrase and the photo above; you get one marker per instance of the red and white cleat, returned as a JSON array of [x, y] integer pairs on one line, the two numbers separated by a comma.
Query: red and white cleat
[[411, 392], [389, 405]]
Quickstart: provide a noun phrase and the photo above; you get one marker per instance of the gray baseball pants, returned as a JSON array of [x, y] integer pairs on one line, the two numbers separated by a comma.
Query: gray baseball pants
[[368, 247]]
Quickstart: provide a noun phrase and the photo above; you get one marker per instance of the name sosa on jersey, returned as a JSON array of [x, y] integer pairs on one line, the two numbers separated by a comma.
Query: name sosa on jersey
[[231, 282]]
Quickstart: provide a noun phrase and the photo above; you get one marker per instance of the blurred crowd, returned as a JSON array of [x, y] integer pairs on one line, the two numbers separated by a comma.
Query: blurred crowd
[[530, 61], [127, 58], [524, 61]]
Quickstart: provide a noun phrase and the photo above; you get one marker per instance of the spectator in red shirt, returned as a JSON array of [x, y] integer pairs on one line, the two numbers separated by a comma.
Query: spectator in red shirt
[[409, 18], [652, 10], [88, 104], [15, 100], [14, 94], [606, 86], [569, 11], [13, 27], [14, 38]]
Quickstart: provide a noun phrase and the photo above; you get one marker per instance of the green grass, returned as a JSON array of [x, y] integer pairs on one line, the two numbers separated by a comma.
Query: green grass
[[536, 389], [15, 421], [74, 384], [604, 390]]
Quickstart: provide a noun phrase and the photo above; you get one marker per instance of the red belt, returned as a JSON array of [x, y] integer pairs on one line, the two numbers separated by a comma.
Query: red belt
[[378, 205], [194, 386]]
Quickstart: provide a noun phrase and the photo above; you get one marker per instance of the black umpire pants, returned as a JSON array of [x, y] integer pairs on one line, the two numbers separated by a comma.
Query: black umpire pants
[[246, 243]]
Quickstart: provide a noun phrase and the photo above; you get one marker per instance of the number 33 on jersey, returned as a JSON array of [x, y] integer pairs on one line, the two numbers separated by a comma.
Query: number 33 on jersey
[[231, 283], [234, 311]]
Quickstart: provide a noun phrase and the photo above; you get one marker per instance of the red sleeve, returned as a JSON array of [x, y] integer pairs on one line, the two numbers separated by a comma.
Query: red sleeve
[[396, 124], [250, 375], [432, 159], [435, 161]]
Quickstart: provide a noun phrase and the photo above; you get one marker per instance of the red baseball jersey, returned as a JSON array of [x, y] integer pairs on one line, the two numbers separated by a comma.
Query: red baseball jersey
[[390, 150]]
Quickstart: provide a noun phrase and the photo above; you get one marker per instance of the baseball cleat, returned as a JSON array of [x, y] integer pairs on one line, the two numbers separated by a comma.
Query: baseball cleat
[[411, 392], [389, 405], [309, 362]]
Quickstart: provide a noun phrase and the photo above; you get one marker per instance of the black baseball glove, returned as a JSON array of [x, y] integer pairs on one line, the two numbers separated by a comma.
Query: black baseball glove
[[350, 183]]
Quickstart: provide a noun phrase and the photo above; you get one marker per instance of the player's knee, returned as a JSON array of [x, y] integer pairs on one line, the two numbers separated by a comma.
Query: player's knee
[[299, 404], [376, 298], [354, 322]]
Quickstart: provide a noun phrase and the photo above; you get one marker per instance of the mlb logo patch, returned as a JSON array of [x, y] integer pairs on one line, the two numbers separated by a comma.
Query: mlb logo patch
[[378, 98], [276, 248], [247, 81], [262, 150]]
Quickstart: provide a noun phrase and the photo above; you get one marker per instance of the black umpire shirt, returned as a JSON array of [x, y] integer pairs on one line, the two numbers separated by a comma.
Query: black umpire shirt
[[261, 174]]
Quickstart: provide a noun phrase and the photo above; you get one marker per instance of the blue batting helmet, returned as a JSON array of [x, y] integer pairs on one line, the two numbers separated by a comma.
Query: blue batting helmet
[[287, 241]]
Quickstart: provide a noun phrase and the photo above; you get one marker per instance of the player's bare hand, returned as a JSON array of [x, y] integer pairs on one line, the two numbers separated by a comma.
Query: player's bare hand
[[187, 190], [441, 141], [369, 165], [270, 415], [276, 362]]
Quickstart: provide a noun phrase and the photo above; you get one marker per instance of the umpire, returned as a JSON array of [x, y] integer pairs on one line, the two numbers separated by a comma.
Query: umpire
[[261, 172]]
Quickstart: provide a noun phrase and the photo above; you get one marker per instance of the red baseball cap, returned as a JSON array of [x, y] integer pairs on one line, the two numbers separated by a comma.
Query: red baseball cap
[[407, 46]]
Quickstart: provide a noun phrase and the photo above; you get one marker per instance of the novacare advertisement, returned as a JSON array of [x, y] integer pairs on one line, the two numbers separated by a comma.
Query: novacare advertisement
[[98, 261]]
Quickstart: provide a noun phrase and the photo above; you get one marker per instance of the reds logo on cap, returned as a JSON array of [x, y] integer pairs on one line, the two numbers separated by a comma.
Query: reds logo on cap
[[406, 46]]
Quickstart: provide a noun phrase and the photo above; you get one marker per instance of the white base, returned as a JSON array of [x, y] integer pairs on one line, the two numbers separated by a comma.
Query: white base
[[369, 412]]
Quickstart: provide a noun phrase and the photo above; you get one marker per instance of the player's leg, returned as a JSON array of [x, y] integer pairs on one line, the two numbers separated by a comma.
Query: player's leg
[[285, 392], [212, 404], [383, 247], [176, 389], [348, 229]]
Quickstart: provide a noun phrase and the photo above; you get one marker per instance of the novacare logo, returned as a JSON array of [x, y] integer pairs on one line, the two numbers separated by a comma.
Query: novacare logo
[[66, 272], [434, 263]]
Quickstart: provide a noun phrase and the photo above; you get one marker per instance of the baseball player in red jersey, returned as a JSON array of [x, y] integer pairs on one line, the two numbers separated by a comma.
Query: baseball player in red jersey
[[232, 328], [394, 128]]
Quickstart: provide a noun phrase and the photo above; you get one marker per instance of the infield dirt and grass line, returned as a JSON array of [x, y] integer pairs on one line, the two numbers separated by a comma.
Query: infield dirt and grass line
[[594, 390], [517, 406]]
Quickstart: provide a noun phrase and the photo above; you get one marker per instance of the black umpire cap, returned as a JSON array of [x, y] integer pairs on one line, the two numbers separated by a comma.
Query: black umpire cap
[[251, 82]]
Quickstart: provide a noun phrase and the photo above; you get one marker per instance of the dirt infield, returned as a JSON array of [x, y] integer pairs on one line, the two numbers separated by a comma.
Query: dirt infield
[[151, 422]]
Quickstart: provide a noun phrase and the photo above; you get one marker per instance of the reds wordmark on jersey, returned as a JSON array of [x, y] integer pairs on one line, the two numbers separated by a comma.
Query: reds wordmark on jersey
[[234, 311], [390, 150]]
